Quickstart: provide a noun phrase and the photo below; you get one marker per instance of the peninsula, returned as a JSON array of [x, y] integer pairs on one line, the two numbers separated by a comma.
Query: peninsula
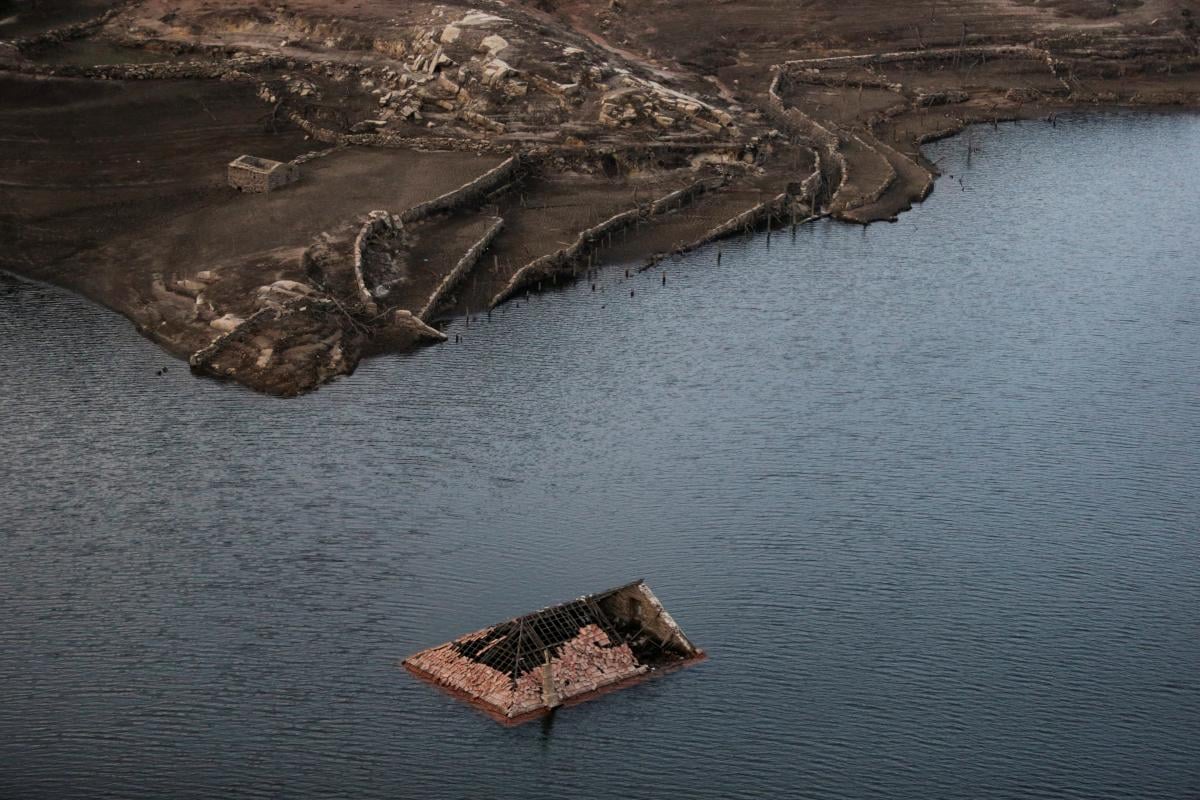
[[275, 190]]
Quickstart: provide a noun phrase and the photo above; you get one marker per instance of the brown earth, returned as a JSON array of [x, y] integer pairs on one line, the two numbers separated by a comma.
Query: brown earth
[[552, 135]]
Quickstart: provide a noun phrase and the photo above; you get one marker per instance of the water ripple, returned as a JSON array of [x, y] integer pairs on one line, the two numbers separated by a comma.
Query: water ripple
[[925, 492]]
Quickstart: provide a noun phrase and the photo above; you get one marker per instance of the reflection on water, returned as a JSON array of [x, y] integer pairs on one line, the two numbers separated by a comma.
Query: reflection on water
[[924, 492]]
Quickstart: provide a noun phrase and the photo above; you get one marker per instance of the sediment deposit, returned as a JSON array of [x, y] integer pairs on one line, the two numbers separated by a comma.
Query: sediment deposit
[[454, 155]]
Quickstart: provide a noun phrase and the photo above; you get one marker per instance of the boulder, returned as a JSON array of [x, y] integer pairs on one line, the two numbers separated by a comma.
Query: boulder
[[226, 323], [480, 19], [189, 287], [494, 44], [495, 72]]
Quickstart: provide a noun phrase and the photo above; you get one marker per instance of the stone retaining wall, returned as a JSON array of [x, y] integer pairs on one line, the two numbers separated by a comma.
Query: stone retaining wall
[[780, 207], [825, 141], [379, 223], [871, 194], [927, 186], [550, 265], [464, 266], [184, 70], [941, 133], [795, 121], [1015, 51], [313, 155], [810, 187], [682, 197], [70, 32], [928, 54], [394, 139], [776, 207], [471, 192]]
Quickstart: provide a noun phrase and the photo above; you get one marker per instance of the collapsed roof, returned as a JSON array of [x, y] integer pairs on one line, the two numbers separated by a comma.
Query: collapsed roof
[[522, 668]]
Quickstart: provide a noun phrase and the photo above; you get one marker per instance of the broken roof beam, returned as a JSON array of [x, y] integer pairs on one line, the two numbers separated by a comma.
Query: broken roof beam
[[523, 667]]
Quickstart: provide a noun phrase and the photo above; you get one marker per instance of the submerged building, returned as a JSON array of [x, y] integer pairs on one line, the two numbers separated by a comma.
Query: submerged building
[[524, 667], [254, 174]]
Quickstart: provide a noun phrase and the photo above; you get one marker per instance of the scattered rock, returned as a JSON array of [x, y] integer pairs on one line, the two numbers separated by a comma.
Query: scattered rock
[[226, 323], [494, 44]]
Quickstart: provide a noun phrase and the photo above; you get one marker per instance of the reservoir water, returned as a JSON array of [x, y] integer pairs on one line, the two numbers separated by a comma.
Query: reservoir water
[[927, 493]]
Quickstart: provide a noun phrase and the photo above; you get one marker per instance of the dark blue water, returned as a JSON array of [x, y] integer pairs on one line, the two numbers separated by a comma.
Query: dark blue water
[[928, 494]]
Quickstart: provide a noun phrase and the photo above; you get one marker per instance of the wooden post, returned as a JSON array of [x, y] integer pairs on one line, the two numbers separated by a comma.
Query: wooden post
[[550, 694]]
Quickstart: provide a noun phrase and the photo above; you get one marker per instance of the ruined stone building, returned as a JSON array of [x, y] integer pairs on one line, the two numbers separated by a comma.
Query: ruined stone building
[[522, 668], [254, 174]]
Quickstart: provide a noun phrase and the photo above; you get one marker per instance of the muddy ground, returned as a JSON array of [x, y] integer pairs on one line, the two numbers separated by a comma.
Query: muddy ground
[[453, 155]]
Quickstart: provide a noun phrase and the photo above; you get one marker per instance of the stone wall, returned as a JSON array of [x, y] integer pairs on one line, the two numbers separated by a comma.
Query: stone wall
[[928, 54], [682, 197], [379, 223], [926, 187], [778, 207], [248, 179], [470, 193], [1058, 69], [313, 155], [845, 200], [70, 32], [638, 603], [550, 265], [822, 139], [394, 139], [464, 266]]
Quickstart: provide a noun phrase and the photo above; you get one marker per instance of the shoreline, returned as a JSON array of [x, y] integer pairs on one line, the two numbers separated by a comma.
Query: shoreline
[[490, 168], [567, 278]]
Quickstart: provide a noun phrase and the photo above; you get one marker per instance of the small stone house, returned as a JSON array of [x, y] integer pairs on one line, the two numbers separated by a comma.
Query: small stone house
[[254, 174]]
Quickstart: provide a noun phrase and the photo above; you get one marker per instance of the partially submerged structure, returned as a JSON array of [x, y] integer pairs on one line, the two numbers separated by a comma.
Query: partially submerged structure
[[254, 174], [522, 668]]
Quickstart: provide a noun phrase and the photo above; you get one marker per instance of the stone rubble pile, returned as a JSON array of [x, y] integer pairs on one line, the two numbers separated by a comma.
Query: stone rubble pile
[[639, 102]]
